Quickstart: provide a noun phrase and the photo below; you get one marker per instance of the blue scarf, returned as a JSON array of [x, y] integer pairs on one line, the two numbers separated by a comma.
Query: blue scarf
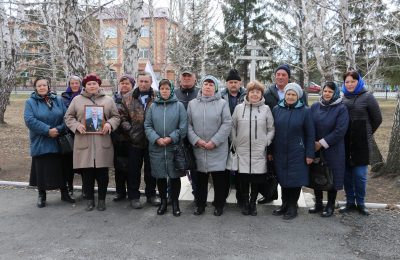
[[357, 90], [72, 94]]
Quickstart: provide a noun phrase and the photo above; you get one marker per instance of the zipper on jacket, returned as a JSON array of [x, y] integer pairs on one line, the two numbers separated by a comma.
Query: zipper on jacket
[[165, 147], [251, 108], [204, 131], [255, 122]]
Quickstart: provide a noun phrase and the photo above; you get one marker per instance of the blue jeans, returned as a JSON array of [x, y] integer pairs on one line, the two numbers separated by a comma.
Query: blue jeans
[[355, 184]]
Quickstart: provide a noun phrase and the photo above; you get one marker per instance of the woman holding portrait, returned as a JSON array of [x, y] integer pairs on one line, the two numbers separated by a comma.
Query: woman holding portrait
[[93, 151]]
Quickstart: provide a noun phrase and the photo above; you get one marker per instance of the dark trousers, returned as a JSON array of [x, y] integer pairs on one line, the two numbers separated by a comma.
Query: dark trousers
[[244, 188], [175, 188], [121, 179], [221, 184], [89, 176], [138, 158], [331, 196], [233, 178], [290, 196]]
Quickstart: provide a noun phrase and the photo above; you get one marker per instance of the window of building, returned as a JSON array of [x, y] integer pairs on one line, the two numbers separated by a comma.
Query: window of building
[[143, 53], [111, 53], [110, 32], [144, 31]]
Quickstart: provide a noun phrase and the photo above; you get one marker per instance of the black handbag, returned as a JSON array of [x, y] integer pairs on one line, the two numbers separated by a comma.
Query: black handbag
[[183, 157], [321, 178], [66, 143]]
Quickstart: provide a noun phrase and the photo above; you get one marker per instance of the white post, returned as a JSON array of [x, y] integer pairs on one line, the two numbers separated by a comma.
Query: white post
[[253, 58]]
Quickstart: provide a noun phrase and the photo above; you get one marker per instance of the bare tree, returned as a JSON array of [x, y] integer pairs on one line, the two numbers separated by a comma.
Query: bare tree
[[75, 54], [346, 34], [7, 61], [132, 33]]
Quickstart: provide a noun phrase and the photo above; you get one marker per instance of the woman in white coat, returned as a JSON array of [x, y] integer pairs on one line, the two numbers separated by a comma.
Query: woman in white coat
[[252, 132]]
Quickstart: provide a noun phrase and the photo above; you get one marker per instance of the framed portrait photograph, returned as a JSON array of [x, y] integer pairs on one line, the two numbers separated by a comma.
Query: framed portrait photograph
[[94, 119]]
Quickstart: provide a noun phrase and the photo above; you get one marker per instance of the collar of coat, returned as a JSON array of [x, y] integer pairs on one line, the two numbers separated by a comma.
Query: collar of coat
[[135, 93], [202, 98], [299, 104]]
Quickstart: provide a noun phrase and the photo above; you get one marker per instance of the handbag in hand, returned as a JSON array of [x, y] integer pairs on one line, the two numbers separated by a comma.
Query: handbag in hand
[[321, 177], [183, 158], [66, 142], [232, 162]]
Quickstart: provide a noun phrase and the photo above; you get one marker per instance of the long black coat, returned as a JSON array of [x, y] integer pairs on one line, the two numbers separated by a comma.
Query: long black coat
[[365, 118]]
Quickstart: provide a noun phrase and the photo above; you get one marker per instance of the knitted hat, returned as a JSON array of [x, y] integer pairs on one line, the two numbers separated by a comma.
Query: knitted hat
[[233, 75], [91, 77], [296, 88], [213, 79], [128, 77], [284, 67]]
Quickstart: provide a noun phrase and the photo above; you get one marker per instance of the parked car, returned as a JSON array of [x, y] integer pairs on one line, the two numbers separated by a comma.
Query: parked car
[[313, 88]]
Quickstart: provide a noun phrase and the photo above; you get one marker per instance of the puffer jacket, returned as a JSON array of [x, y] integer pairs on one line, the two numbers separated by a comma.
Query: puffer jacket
[[252, 131], [39, 119], [133, 116], [293, 143], [92, 150], [209, 119], [165, 119], [365, 118]]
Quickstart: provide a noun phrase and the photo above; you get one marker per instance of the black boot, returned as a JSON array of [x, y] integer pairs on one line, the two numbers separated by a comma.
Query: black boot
[[199, 210], [66, 197], [284, 207], [175, 208], [90, 205], [163, 207], [291, 212], [41, 199], [252, 204], [218, 211], [330, 206], [363, 210], [101, 205], [347, 208], [253, 208], [318, 207], [245, 205]]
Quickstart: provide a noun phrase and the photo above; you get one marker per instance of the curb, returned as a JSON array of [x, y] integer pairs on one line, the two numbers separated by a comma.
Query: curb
[[112, 190]]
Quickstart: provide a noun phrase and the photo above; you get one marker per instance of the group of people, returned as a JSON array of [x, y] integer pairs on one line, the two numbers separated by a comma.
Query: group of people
[[273, 132]]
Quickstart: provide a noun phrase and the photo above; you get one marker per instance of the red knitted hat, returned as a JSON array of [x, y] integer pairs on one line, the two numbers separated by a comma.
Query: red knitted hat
[[91, 77]]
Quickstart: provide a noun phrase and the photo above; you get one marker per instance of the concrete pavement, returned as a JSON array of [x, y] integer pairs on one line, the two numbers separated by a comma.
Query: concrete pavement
[[65, 231]]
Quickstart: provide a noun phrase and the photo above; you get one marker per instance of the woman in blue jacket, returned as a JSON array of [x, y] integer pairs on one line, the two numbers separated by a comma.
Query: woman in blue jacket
[[165, 126], [293, 147], [44, 117], [331, 120]]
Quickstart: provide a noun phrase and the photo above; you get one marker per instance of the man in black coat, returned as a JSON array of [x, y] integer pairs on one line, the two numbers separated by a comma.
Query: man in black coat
[[234, 94], [185, 93]]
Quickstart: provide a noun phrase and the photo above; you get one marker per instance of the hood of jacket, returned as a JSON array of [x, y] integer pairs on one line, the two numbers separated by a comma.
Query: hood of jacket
[[257, 104], [172, 99], [202, 98]]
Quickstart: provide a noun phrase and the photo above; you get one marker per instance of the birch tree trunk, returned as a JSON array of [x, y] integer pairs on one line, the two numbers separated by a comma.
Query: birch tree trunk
[[151, 33], [7, 64], [346, 34], [130, 46], [75, 54]]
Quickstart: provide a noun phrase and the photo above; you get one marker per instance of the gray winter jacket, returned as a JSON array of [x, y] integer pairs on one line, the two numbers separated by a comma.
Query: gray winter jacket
[[252, 131], [164, 119], [209, 119]]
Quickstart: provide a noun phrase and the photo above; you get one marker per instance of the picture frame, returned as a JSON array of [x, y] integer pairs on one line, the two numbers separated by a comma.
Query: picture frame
[[94, 119]]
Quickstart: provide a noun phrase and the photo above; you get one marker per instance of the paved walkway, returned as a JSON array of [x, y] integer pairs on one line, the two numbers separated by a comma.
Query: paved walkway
[[65, 231]]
